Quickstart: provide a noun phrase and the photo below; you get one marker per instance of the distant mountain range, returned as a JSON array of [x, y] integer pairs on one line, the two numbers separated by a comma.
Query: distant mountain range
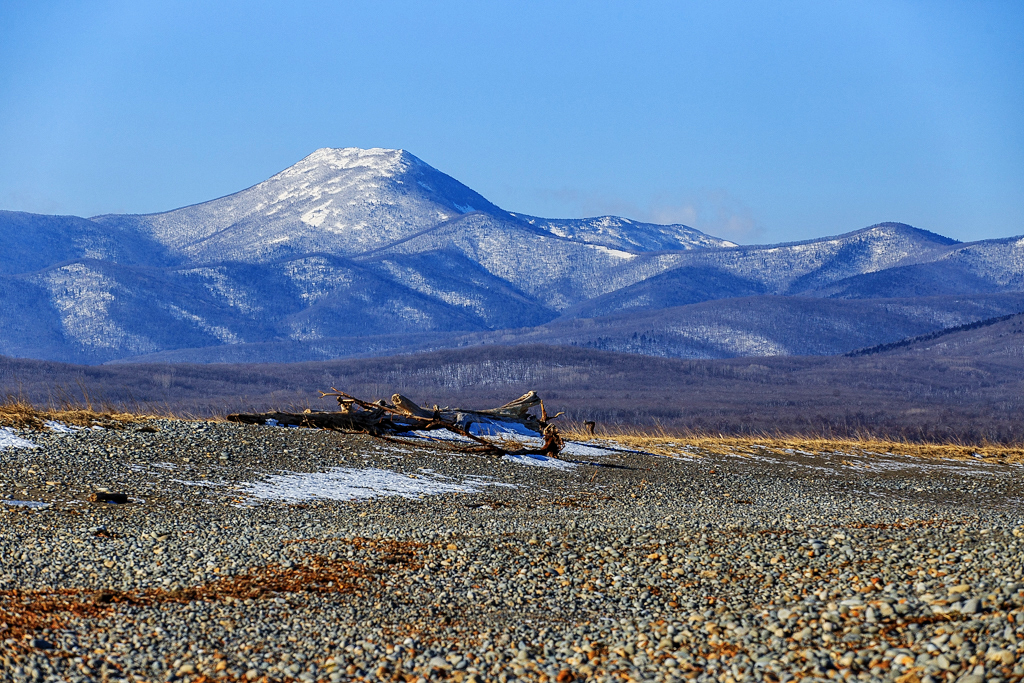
[[357, 252]]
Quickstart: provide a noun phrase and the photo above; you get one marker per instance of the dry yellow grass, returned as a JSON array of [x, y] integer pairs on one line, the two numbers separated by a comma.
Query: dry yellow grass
[[694, 444], [21, 414], [18, 413]]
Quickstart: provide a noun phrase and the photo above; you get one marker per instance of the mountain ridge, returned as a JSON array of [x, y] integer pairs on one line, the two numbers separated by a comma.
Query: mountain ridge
[[366, 244]]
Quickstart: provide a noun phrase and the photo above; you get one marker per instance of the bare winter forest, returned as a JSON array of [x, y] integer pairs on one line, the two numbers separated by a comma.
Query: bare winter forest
[[965, 385]]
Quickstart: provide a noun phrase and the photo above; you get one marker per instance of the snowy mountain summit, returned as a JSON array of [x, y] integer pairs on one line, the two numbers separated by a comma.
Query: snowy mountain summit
[[350, 201], [356, 251], [337, 201]]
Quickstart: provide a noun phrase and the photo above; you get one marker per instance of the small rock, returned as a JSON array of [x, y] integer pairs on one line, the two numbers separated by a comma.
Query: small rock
[[972, 606], [1004, 657], [904, 660], [41, 644], [106, 497]]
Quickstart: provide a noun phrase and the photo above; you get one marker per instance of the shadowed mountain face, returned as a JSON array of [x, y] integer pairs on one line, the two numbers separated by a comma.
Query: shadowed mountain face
[[32, 242], [764, 326], [354, 252]]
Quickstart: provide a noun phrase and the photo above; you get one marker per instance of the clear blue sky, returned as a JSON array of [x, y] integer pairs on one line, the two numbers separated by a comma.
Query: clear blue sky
[[757, 121]]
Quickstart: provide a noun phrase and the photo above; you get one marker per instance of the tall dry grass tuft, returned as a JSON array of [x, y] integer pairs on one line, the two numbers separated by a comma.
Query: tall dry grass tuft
[[17, 412], [663, 442]]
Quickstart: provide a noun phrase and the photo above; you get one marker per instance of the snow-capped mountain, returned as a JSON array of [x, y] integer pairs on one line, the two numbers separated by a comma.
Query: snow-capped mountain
[[350, 201], [811, 268], [353, 251], [335, 201]]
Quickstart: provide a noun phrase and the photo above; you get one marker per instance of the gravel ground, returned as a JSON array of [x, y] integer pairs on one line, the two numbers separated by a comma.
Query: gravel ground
[[618, 566]]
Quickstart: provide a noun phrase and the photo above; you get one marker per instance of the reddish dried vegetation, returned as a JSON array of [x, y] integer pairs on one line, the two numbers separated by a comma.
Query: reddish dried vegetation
[[27, 611]]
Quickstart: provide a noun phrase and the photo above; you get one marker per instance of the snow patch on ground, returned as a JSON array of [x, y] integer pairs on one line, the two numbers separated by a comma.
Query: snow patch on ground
[[498, 428], [60, 427], [540, 461], [879, 462], [26, 503], [274, 423], [346, 483], [8, 439], [201, 484], [583, 450]]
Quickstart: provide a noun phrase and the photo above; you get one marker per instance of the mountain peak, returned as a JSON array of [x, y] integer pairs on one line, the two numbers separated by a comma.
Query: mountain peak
[[338, 201], [321, 172], [386, 162], [894, 227]]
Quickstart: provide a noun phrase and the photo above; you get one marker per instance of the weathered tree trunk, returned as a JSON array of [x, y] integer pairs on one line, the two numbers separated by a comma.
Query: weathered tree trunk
[[349, 422], [516, 411], [403, 415]]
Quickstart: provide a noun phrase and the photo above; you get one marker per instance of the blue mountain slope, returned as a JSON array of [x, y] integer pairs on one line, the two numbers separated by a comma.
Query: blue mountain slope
[[677, 287], [725, 328], [461, 282], [922, 279], [976, 268], [29, 325], [94, 311], [762, 326], [660, 280], [32, 242]]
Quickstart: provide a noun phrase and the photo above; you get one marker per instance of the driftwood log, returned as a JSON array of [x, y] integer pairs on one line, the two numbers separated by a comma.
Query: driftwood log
[[402, 415]]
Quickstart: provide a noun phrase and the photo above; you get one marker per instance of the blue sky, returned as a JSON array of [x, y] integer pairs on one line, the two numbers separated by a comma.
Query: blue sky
[[756, 121]]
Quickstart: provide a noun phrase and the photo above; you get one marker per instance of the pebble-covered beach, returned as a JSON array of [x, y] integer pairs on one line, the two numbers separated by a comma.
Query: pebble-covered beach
[[261, 553]]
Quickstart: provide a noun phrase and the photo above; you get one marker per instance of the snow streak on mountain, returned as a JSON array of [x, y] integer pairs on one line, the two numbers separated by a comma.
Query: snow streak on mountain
[[354, 251]]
